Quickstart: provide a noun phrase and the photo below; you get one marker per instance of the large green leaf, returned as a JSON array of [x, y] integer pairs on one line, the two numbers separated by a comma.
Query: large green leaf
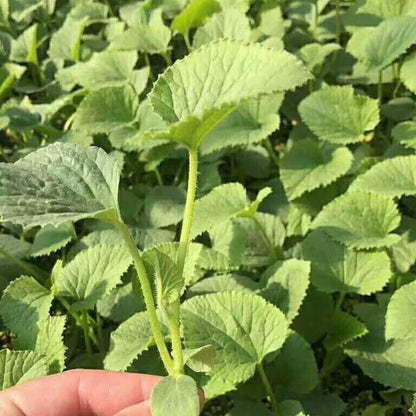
[[401, 313], [24, 48], [378, 47], [198, 92], [392, 177], [176, 396], [58, 183], [405, 134], [336, 268], [243, 328], [92, 274], [25, 303], [309, 165], [20, 366], [360, 220], [286, 284], [337, 115], [117, 107]]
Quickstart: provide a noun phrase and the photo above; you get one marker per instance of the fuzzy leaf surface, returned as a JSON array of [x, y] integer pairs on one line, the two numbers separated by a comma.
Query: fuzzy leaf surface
[[58, 183], [339, 116], [360, 220]]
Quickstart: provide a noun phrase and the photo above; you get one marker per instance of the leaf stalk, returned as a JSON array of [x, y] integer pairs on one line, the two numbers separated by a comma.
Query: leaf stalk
[[267, 386]]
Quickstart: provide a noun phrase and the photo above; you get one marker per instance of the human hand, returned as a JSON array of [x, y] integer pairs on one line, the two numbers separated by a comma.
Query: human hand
[[81, 393]]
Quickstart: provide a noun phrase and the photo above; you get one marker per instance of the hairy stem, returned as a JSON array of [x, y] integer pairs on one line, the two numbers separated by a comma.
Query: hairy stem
[[267, 386], [184, 241], [85, 329], [147, 294]]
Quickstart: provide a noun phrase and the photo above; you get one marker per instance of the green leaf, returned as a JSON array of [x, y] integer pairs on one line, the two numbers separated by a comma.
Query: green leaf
[[25, 303], [20, 366], [392, 177], [151, 38], [50, 239], [117, 108], [176, 396], [59, 183], [286, 284], [231, 70], [164, 205], [50, 343], [128, 341], [309, 165], [360, 220], [92, 274], [405, 133], [408, 73], [344, 328], [290, 408], [230, 23], [336, 268], [390, 363], [169, 279], [243, 328], [104, 69], [404, 251], [194, 15], [250, 123], [413, 408], [314, 54], [337, 115], [400, 317], [222, 203], [295, 369], [24, 48], [201, 360], [378, 47], [222, 283]]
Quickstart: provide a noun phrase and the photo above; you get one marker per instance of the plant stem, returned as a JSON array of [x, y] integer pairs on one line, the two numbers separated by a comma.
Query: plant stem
[[189, 208], [380, 86], [158, 176], [340, 300], [316, 20], [338, 21], [147, 294], [187, 42], [271, 151], [267, 386], [175, 336], [85, 329]]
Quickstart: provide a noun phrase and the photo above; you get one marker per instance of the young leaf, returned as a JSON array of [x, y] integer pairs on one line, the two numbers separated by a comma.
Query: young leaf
[[344, 328], [309, 165], [25, 303], [378, 47], [128, 341], [50, 239], [118, 107], [314, 54], [176, 396], [337, 115], [20, 366], [59, 183], [360, 220], [242, 327], [286, 284], [50, 343], [401, 313], [92, 274], [194, 15], [392, 177], [231, 70], [336, 268], [230, 23]]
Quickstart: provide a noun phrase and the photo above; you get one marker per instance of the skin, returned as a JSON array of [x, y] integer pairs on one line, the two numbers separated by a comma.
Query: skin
[[81, 393]]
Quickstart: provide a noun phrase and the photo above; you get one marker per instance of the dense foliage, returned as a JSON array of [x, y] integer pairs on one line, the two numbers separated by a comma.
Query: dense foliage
[[221, 191]]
